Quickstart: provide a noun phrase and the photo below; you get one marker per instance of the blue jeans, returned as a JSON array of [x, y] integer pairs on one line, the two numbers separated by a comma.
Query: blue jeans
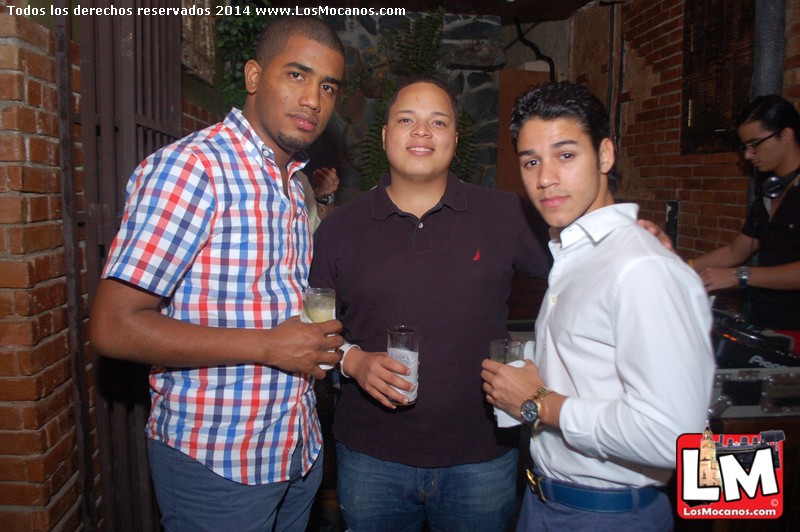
[[194, 498], [381, 496], [538, 516]]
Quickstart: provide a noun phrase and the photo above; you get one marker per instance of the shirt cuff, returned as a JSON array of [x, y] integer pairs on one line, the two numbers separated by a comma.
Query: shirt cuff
[[528, 350]]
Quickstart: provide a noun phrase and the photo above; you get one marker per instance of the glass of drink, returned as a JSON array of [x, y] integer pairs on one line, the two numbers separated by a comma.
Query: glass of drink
[[319, 304], [403, 345], [505, 351], [509, 352]]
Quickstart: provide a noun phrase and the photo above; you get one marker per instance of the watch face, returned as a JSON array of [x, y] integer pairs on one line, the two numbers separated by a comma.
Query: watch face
[[326, 200], [529, 412]]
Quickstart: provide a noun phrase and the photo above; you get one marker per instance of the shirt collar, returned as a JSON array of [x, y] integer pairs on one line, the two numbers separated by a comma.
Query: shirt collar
[[255, 148], [454, 197], [598, 224]]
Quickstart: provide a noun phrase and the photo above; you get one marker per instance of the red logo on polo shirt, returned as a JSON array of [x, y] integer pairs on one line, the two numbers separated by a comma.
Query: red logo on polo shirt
[[477, 255]]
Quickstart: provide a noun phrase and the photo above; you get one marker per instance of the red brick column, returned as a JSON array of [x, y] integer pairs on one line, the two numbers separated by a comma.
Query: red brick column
[[791, 77], [39, 486]]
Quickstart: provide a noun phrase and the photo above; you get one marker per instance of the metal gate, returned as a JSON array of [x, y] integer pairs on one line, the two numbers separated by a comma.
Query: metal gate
[[130, 106]]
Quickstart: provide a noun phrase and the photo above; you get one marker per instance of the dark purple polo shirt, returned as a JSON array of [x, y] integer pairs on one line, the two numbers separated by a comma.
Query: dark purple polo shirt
[[448, 273]]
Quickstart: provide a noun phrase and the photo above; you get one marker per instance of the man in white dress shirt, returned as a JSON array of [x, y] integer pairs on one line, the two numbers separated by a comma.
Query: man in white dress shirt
[[623, 362]]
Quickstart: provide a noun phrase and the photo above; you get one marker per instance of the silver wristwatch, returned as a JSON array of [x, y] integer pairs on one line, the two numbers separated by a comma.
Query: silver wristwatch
[[743, 274], [326, 200]]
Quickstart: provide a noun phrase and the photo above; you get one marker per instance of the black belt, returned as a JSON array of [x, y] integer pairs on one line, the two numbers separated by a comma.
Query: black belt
[[591, 499]]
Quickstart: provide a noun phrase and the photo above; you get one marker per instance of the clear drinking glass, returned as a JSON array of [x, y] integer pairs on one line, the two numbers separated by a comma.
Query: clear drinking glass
[[505, 351], [319, 304], [510, 352], [403, 345]]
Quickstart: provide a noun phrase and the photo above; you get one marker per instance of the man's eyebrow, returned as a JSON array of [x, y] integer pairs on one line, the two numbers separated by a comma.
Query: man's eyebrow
[[307, 69], [561, 143], [414, 111], [558, 144]]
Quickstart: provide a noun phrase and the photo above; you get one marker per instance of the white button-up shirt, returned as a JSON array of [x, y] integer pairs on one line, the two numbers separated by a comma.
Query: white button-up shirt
[[624, 333]]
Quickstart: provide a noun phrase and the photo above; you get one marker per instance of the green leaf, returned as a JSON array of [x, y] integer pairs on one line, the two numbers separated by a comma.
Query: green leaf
[[237, 37]]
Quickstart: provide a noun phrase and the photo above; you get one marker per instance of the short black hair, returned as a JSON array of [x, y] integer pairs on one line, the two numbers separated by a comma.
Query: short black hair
[[413, 80], [775, 112], [277, 33], [563, 99]]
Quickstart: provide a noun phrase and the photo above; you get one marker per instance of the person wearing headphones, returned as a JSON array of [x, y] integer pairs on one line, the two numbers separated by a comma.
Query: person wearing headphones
[[769, 129]]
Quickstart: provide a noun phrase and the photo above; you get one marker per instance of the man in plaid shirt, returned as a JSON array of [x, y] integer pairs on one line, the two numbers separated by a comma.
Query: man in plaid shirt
[[204, 282]]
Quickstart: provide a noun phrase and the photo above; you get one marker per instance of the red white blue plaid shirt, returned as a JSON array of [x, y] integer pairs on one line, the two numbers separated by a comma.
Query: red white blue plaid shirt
[[208, 227]]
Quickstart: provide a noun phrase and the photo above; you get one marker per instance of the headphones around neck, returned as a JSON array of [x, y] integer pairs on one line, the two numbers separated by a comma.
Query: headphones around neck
[[773, 186]]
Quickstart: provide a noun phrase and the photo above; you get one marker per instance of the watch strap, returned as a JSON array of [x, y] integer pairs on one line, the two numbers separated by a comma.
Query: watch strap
[[344, 349], [540, 394]]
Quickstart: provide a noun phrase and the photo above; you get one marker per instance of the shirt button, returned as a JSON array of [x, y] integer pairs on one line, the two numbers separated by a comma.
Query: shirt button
[[553, 299], [420, 225]]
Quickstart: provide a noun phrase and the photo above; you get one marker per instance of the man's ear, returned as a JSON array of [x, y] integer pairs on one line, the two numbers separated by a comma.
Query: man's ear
[[252, 73], [606, 155], [383, 138], [787, 135]]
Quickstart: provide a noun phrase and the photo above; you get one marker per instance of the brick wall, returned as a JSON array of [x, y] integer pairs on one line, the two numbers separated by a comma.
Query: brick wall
[[39, 488], [791, 78], [712, 189], [39, 485], [196, 117]]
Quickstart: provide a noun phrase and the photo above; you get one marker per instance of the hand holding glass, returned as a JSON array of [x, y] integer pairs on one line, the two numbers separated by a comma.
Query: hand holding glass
[[319, 304], [403, 346], [506, 352]]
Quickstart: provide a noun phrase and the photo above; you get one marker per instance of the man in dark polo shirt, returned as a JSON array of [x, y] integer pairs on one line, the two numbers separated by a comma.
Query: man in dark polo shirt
[[426, 249], [423, 248]]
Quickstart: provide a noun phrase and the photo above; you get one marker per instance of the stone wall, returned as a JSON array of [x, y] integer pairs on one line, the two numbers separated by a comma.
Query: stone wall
[[468, 59], [552, 38]]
